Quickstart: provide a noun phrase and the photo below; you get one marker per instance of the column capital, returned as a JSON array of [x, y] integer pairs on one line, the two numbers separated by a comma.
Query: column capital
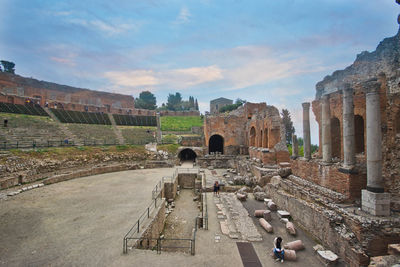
[[347, 88], [306, 105], [372, 86], [325, 97]]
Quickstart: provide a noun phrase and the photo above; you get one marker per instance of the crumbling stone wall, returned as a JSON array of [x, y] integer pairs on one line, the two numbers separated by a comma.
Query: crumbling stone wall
[[383, 64]]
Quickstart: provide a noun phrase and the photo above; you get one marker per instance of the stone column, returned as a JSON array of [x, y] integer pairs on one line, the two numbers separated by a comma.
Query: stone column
[[326, 130], [295, 146], [348, 127], [306, 130], [159, 133], [374, 200]]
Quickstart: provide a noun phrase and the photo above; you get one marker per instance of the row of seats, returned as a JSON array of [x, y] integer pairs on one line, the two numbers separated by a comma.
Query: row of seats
[[29, 109], [69, 116], [130, 120]]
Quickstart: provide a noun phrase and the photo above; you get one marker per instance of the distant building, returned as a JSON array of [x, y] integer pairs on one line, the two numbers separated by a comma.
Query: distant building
[[218, 103]]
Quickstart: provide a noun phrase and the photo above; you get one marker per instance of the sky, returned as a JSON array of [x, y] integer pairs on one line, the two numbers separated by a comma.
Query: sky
[[272, 51]]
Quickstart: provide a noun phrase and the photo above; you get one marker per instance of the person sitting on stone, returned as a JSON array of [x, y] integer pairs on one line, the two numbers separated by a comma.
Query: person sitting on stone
[[278, 250]]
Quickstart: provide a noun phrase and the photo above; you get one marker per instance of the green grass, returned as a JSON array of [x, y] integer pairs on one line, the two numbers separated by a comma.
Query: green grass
[[180, 123]]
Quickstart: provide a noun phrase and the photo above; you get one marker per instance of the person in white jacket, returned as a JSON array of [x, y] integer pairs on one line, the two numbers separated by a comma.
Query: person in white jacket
[[278, 250]]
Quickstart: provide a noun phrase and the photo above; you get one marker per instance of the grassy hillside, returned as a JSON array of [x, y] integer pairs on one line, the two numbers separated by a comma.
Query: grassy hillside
[[180, 123]]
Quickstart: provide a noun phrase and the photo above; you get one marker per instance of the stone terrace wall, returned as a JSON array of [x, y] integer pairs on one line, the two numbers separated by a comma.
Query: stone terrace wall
[[72, 98]]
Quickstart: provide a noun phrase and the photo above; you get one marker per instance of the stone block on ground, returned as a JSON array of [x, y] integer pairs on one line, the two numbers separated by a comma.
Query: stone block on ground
[[259, 213], [244, 190], [260, 196], [264, 224], [267, 215], [327, 257], [266, 200], [318, 247], [283, 214], [284, 164], [290, 255], [294, 245], [272, 206], [284, 221], [241, 197], [285, 172], [275, 180], [394, 249], [290, 228], [257, 189], [224, 227]]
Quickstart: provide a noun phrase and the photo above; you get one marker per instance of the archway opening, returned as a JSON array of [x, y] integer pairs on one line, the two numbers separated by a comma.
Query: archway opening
[[252, 136], [266, 137], [216, 144], [359, 133], [187, 154], [336, 140], [260, 139]]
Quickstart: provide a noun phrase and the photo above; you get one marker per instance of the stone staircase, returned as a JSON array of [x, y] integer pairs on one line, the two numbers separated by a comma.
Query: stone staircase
[[117, 131], [69, 135]]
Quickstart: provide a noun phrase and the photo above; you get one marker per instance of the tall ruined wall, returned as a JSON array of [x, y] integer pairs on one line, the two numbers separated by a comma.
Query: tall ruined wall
[[383, 64], [70, 97]]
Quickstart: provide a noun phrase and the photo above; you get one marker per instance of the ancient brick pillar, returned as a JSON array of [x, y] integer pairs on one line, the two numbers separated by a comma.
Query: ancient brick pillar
[[348, 127], [326, 130], [295, 146], [306, 130], [374, 200]]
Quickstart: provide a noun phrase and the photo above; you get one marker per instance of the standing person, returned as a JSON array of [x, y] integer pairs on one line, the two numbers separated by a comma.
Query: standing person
[[278, 250], [216, 188]]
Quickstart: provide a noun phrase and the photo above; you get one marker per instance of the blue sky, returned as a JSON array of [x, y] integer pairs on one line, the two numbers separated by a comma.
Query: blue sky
[[272, 51]]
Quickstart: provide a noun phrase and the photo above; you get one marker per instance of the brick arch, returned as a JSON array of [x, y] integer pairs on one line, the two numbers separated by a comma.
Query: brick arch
[[336, 137], [265, 138], [252, 136], [260, 139], [359, 133]]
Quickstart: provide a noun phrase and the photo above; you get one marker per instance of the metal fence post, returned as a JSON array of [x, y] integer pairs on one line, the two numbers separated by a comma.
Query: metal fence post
[[138, 227], [148, 212]]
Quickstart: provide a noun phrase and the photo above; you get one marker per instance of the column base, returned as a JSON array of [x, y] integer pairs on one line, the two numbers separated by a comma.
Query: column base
[[377, 204]]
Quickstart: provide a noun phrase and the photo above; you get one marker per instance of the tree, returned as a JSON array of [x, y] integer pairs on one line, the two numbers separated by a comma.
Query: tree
[[146, 100], [8, 66], [196, 105], [174, 102], [191, 102], [287, 122], [239, 102]]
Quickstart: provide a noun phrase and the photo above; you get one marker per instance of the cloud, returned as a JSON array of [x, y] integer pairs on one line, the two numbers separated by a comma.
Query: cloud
[[134, 78], [183, 16], [105, 27], [176, 78], [64, 61]]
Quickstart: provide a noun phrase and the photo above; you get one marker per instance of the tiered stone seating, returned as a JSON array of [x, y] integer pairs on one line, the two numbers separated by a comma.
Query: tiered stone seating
[[89, 133], [137, 135], [135, 120], [68, 116], [30, 109], [27, 129]]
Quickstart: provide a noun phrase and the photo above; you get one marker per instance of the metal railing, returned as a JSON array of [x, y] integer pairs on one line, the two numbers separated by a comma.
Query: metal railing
[[62, 143], [135, 229]]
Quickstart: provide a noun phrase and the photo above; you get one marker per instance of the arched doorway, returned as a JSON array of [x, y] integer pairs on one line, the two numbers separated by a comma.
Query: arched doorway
[[335, 135], [187, 154], [261, 139], [359, 133], [216, 144], [266, 137], [252, 136]]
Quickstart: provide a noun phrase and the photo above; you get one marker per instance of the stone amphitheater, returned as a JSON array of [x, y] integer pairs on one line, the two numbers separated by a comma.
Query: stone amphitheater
[[95, 183]]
